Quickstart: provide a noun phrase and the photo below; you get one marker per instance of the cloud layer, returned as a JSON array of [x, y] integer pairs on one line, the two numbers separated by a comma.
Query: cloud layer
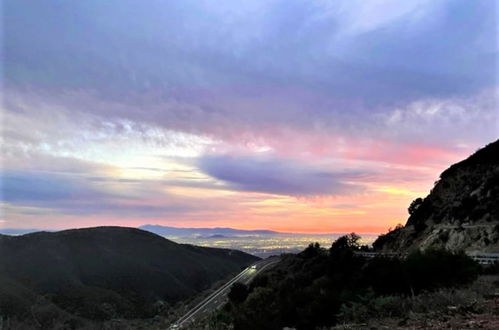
[[238, 112], [349, 49], [277, 176]]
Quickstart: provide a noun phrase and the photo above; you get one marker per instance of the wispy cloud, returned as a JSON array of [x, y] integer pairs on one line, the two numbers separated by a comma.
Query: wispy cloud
[[80, 195]]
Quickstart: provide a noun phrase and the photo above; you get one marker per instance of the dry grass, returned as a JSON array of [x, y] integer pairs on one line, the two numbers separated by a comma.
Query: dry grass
[[466, 308]]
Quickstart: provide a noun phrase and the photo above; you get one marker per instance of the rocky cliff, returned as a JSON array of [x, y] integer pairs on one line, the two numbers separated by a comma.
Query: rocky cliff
[[460, 213]]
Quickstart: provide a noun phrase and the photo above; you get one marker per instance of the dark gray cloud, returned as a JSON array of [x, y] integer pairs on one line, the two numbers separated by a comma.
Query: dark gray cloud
[[279, 176], [347, 55]]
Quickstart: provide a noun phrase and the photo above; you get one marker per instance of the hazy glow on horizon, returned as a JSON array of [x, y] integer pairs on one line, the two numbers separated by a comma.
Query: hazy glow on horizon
[[296, 116]]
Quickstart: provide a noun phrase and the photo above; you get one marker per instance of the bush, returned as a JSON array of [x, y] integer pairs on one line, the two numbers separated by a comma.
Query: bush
[[414, 205], [371, 306], [420, 271], [238, 293], [435, 269], [346, 242], [314, 289], [385, 276], [313, 250]]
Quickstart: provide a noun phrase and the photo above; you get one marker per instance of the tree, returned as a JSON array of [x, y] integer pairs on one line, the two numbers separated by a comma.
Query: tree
[[238, 293], [415, 205], [313, 249], [350, 242]]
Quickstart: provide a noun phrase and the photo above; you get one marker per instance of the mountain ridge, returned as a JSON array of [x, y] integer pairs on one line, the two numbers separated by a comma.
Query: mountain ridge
[[171, 231], [108, 272], [461, 212]]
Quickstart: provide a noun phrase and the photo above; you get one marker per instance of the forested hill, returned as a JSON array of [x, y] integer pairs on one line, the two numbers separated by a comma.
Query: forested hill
[[107, 272]]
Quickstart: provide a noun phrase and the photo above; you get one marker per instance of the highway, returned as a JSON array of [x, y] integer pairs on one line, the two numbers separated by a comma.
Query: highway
[[218, 298]]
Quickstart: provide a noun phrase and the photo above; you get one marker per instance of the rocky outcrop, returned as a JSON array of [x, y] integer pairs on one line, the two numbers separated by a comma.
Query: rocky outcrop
[[460, 213]]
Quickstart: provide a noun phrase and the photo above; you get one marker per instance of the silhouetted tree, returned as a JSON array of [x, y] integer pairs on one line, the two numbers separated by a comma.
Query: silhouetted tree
[[433, 269], [364, 248], [238, 293], [346, 242], [308, 293], [414, 205], [312, 250]]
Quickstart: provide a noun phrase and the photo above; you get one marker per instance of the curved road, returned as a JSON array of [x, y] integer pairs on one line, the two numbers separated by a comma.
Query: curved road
[[218, 298]]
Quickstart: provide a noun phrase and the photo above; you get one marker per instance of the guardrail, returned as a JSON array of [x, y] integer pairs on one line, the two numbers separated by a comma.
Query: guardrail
[[485, 258], [481, 258]]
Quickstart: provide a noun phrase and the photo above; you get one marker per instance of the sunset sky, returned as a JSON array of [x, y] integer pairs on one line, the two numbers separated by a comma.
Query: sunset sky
[[298, 116]]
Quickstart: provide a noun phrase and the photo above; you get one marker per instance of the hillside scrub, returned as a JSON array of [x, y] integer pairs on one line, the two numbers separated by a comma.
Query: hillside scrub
[[459, 213], [319, 287], [453, 308], [94, 275]]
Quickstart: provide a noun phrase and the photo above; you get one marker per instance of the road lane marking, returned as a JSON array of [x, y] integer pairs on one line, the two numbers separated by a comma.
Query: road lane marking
[[202, 303], [250, 274]]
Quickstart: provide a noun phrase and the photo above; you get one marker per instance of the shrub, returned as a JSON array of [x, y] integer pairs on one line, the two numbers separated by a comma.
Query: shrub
[[238, 293], [350, 241], [317, 291], [434, 269], [313, 250], [415, 204]]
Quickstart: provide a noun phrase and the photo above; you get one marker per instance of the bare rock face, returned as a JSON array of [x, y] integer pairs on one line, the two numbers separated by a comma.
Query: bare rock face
[[460, 213]]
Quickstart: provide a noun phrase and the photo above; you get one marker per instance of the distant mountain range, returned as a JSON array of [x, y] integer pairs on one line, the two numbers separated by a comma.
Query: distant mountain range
[[204, 232], [105, 273], [14, 231], [168, 231], [215, 232]]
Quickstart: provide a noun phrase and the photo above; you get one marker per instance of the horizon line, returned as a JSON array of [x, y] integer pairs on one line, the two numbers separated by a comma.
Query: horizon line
[[194, 228]]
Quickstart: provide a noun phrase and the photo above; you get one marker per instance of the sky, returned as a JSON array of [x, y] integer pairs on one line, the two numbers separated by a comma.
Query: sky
[[290, 115]]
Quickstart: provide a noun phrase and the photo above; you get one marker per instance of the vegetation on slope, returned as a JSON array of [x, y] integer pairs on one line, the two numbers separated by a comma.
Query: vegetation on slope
[[461, 211], [105, 272], [318, 287]]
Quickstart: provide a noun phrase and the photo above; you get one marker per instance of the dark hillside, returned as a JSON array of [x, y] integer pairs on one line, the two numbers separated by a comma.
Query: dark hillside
[[106, 272], [319, 288], [461, 211]]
